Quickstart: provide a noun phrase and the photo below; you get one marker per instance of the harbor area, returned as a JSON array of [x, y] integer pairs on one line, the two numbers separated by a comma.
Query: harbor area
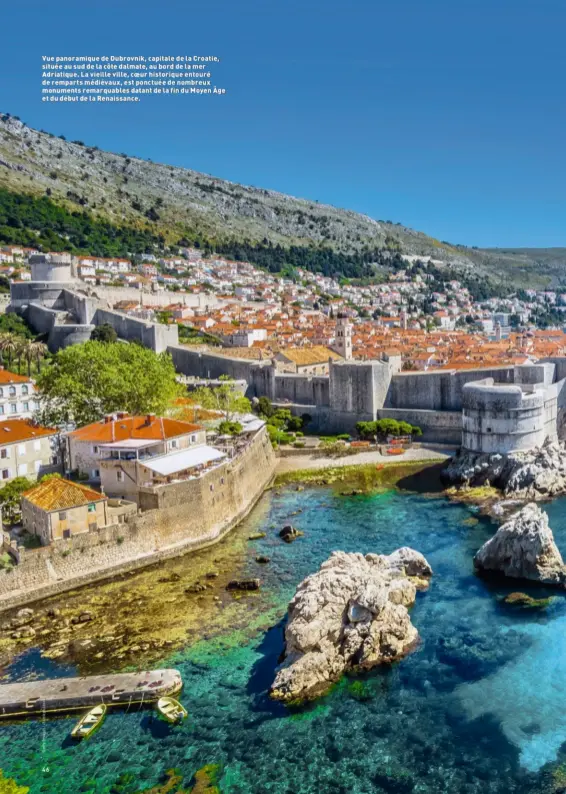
[[36, 698]]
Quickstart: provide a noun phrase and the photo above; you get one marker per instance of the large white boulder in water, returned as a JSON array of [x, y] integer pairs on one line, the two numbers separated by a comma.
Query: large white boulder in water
[[524, 548], [352, 613]]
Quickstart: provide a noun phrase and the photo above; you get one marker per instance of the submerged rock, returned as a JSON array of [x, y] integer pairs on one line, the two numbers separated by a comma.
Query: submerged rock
[[243, 584], [352, 613], [527, 601], [524, 548]]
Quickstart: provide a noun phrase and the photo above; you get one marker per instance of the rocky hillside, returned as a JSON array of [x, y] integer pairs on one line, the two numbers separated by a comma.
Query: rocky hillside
[[124, 188], [127, 190]]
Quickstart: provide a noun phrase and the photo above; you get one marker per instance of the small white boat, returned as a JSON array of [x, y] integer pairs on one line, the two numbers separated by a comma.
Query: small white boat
[[171, 710], [87, 725]]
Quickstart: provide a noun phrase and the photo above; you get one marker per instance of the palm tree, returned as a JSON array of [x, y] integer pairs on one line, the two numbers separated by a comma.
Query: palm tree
[[22, 344], [10, 344], [28, 352], [39, 351]]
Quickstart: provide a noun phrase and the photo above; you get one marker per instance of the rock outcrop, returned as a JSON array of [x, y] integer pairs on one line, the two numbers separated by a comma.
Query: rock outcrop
[[290, 533], [537, 474], [524, 548], [352, 613]]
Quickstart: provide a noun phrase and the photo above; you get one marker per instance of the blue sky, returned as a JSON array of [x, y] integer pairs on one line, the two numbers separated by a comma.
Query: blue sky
[[449, 117]]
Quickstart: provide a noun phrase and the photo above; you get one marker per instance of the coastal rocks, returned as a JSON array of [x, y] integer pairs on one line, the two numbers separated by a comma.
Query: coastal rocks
[[536, 474], [524, 548], [22, 618], [84, 617], [197, 587], [352, 613], [26, 632], [262, 559], [290, 533], [243, 584]]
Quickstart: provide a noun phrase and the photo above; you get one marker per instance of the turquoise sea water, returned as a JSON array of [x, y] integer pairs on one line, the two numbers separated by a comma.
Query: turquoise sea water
[[479, 707]]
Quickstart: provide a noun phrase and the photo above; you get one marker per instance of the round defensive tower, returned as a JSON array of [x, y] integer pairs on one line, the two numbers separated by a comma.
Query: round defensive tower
[[51, 267], [501, 418]]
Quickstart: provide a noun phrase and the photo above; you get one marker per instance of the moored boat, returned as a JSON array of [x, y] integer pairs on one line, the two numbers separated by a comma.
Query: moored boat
[[87, 725], [171, 710]]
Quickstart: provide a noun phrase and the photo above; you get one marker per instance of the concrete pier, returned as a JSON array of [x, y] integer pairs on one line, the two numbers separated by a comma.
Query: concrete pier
[[35, 698]]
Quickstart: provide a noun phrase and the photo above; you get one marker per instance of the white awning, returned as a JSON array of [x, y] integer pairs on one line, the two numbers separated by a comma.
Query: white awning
[[131, 443], [253, 426], [183, 459]]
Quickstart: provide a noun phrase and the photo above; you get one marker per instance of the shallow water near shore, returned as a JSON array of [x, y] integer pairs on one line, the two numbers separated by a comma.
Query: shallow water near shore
[[478, 707]]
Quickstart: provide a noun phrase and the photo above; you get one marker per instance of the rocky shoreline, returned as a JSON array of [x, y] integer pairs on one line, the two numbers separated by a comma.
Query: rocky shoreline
[[533, 475]]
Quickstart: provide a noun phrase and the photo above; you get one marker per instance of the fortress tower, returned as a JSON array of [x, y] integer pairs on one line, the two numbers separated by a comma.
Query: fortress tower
[[343, 344]]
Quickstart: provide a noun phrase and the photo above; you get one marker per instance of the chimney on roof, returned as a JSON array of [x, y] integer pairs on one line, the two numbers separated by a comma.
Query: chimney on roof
[[109, 418], [122, 415], [149, 419]]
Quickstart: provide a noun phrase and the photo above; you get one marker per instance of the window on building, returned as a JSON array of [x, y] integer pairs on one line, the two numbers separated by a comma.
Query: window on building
[[95, 450], [13, 408], [1, 410], [5, 474], [25, 390], [174, 444], [37, 445], [12, 391], [26, 406], [1, 392], [21, 449], [92, 508], [37, 466], [5, 452], [22, 469], [62, 516], [193, 439], [120, 476]]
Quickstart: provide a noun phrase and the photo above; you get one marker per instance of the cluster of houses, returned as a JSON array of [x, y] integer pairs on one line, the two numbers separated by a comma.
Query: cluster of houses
[[112, 462]]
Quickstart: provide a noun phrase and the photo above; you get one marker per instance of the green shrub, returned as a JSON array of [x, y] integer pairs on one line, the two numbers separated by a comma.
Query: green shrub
[[386, 427], [227, 428]]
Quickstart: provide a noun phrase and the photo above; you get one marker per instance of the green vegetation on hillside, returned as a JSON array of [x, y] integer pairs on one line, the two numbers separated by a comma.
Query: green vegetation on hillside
[[317, 259], [39, 222]]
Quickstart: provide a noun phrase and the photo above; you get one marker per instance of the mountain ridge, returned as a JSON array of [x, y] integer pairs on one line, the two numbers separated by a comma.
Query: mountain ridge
[[176, 202]]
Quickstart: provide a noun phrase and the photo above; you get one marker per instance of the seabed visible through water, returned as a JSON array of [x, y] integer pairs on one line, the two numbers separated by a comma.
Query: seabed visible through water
[[478, 707]]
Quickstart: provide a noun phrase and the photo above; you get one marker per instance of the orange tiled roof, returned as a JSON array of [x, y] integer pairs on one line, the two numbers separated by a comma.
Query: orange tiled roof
[[11, 377], [150, 427], [303, 356], [12, 430], [58, 494]]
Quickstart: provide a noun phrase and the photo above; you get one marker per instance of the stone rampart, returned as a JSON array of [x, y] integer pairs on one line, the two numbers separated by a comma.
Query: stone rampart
[[218, 502], [153, 335], [307, 389]]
